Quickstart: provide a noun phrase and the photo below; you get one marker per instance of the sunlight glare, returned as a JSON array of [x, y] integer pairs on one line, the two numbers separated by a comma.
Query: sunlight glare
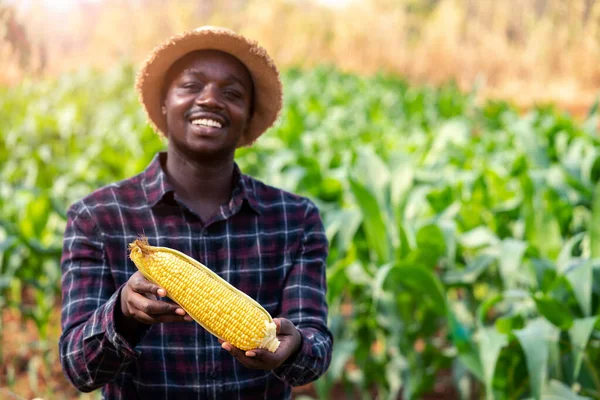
[[64, 6]]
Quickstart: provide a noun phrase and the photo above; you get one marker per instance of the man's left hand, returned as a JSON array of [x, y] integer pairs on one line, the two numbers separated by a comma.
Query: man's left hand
[[289, 342]]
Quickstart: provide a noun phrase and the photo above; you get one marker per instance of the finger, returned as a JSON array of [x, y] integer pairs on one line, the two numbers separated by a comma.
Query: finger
[[142, 317], [234, 351], [237, 353], [140, 284], [150, 319], [257, 358], [172, 318], [153, 307], [285, 326], [277, 324], [262, 355], [150, 296]]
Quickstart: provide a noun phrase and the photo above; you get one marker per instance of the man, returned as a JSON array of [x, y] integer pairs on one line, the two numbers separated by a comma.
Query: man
[[209, 91]]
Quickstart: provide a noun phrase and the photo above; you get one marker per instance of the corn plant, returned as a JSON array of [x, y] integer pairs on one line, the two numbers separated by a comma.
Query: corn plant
[[465, 242]]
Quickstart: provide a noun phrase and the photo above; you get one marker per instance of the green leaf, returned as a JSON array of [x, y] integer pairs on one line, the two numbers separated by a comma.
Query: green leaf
[[37, 212], [448, 228], [535, 340], [373, 221], [580, 278], [7, 243], [478, 237], [490, 344], [567, 252], [508, 324], [343, 224], [431, 238], [371, 171], [342, 354], [5, 282], [559, 391], [403, 175], [554, 311], [419, 279], [512, 251], [471, 273], [580, 334], [594, 227], [542, 229], [486, 306], [431, 244], [394, 370], [463, 341], [356, 274]]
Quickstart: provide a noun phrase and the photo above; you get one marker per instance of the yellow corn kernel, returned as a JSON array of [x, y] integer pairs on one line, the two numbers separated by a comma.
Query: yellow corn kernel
[[214, 303]]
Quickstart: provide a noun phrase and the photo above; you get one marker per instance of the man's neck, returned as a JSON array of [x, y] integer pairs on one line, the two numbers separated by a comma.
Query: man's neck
[[200, 181]]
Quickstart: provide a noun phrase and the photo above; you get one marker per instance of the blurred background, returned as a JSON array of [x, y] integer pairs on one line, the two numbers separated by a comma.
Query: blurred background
[[523, 50], [451, 146]]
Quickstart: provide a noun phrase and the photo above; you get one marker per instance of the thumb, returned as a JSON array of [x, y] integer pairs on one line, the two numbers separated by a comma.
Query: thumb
[[284, 326]]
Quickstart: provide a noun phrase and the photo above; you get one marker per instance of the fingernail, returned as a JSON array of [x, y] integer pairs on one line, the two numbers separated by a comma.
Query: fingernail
[[225, 346], [250, 354], [162, 292], [180, 311], [188, 318]]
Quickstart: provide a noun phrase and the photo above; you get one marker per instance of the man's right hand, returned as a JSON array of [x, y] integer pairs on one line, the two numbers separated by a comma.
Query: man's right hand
[[139, 302]]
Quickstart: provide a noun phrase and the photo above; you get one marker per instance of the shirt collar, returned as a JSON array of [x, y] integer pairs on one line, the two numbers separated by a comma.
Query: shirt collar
[[154, 180], [243, 189], [157, 186]]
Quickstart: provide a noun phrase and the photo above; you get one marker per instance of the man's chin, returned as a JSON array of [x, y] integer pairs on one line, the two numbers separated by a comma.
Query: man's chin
[[209, 151], [210, 147]]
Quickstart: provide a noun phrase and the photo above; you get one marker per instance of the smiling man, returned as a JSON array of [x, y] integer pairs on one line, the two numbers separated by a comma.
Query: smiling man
[[208, 91]]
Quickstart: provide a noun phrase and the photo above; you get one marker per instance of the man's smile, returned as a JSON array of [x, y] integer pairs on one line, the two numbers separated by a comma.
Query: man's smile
[[207, 122], [207, 119]]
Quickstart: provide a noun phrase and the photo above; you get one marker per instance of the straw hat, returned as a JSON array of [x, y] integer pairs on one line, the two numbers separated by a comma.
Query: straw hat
[[268, 92]]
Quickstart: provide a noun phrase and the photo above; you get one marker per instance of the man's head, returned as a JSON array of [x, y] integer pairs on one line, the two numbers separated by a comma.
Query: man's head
[[207, 103], [209, 47]]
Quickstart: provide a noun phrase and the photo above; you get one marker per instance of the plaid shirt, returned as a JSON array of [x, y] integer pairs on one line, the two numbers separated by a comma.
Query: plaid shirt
[[267, 242]]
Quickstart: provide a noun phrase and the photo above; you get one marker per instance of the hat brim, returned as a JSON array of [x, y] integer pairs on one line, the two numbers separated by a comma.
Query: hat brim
[[268, 92]]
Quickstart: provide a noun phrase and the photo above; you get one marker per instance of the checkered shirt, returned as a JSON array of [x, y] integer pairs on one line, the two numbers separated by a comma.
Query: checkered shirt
[[267, 242]]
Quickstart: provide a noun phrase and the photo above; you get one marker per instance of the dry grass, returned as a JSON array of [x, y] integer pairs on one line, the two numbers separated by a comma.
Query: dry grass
[[525, 50]]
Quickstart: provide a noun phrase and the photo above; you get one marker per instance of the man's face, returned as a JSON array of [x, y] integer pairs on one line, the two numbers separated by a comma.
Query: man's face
[[207, 102]]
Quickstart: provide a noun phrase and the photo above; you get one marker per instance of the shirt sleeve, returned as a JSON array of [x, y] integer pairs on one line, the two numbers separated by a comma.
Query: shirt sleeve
[[304, 304], [91, 352]]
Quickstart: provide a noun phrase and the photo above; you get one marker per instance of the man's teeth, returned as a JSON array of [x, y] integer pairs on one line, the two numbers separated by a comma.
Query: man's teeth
[[207, 122]]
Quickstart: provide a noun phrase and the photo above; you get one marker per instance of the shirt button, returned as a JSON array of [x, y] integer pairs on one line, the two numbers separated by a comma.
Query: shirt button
[[213, 374]]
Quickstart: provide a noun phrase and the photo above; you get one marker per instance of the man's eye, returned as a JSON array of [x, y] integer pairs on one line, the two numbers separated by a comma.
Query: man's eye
[[191, 86], [233, 94]]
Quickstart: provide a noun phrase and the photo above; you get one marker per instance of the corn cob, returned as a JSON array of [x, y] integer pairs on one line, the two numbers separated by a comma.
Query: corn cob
[[214, 303]]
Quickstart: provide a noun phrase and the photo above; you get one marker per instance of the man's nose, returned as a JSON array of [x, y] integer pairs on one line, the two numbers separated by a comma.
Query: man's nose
[[209, 97]]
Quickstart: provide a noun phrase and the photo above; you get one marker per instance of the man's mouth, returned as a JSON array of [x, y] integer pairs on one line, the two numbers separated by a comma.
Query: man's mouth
[[207, 122]]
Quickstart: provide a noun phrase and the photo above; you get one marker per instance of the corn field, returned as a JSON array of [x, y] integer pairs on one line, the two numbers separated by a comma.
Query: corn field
[[465, 235]]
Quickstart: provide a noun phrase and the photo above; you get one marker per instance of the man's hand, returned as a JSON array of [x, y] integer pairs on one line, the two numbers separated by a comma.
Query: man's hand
[[289, 339], [139, 302]]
